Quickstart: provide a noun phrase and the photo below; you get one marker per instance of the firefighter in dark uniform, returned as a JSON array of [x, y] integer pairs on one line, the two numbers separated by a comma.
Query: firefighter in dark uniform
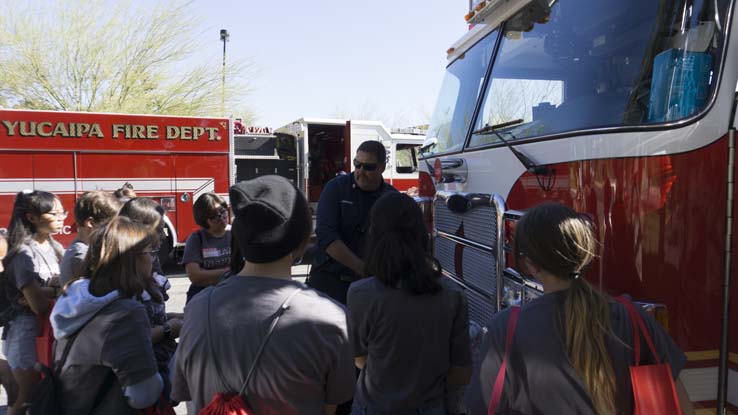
[[343, 220]]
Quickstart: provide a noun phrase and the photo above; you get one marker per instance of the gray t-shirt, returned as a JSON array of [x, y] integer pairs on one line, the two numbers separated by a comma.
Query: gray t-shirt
[[306, 363], [31, 263], [540, 378], [71, 263], [208, 251], [410, 342]]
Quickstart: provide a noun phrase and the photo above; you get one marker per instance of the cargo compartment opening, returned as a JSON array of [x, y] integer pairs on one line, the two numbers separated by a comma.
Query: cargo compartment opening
[[259, 155], [327, 156]]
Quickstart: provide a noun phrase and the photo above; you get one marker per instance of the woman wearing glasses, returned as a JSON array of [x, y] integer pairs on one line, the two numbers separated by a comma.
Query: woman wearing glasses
[[32, 272], [165, 327], [103, 349], [207, 254]]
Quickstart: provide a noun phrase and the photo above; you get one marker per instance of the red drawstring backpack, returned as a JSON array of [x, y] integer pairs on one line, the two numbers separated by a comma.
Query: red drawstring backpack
[[654, 392], [230, 403], [500, 380]]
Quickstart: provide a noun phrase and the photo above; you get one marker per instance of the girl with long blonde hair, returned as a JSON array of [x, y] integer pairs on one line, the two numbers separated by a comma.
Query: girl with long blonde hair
[[572, 347]]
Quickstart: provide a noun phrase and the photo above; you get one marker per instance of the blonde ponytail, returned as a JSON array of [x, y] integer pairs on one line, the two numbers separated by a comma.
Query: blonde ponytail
[[587, 323], [561, 242]]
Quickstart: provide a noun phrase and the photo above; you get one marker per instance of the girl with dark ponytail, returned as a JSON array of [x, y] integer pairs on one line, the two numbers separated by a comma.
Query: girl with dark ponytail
[[572, 346], [32, 275], [408, 325]]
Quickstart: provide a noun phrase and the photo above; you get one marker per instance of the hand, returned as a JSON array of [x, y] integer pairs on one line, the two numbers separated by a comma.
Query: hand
[[54, 282], [22, 301], [176, 325]]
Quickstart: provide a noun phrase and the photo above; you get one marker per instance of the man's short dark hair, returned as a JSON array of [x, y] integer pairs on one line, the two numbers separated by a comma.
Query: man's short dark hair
[[376, 148]]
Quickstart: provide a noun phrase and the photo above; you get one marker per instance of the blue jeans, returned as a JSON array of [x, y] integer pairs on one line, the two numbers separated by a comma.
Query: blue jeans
[[359, 408], [20, 342]]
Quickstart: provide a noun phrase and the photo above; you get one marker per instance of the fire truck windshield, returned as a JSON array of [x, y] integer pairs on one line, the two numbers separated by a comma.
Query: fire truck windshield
[[459, 92], [582, 64]]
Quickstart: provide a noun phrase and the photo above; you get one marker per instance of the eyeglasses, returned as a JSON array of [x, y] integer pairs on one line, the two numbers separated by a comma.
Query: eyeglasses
[[60, 215], [365, 166], [220, 214], [151, 254]]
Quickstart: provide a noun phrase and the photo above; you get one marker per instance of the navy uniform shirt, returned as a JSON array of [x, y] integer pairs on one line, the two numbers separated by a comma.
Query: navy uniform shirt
[[343, 213]]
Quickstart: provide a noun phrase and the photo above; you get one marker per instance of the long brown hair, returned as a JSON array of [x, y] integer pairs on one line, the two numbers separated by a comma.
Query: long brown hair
[[558, 240], [111, 259]]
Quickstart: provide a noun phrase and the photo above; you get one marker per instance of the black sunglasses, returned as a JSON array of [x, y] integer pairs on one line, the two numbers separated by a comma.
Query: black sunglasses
[[220, 213], [365, 166]]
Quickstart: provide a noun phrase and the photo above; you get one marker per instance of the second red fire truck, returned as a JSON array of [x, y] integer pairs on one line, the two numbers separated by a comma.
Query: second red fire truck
[[170, 159]]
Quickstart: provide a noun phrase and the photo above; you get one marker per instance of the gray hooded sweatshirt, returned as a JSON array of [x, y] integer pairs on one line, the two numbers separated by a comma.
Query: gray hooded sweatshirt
[[75, 309]]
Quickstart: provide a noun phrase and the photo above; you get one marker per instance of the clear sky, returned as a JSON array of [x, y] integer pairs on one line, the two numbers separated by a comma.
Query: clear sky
[[379, 59]]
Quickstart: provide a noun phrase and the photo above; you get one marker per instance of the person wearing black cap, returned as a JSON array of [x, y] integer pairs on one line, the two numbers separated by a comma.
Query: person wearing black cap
[[306, 366], [343, 219]]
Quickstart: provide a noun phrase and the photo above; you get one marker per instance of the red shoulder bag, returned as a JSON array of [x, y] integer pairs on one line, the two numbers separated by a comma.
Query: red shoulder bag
[[654, 392]]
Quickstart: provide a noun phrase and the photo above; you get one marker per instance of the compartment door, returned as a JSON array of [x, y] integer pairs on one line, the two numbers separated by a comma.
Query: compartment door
[[196, 175]]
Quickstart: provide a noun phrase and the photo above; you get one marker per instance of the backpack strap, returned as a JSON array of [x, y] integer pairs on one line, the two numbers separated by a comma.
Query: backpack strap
[[512, 323], [65, 353], [638, 325], [67, 347], [285, 305], [211, 353]]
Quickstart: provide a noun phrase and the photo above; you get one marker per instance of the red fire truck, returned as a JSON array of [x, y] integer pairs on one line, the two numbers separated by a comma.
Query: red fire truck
[[170, 159], [623, 110]]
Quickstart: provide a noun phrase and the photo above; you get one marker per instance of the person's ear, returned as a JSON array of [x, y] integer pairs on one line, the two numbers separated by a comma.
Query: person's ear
[[89, 222], [533, 269], [31, 218]]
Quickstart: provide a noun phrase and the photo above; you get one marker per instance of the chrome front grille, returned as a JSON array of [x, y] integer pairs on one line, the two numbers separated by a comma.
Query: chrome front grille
[[481, 308], [480, 224], [477, 267], [468, 228]]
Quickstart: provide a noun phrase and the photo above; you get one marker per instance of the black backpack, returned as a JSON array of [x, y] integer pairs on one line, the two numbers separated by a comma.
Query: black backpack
[[7, 311]]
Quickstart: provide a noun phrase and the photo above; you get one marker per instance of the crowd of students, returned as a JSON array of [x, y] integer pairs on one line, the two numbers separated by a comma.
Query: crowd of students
[[249, 328]]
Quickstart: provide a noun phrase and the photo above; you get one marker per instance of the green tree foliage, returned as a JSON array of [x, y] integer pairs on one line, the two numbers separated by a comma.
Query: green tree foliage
[[108, 56]]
